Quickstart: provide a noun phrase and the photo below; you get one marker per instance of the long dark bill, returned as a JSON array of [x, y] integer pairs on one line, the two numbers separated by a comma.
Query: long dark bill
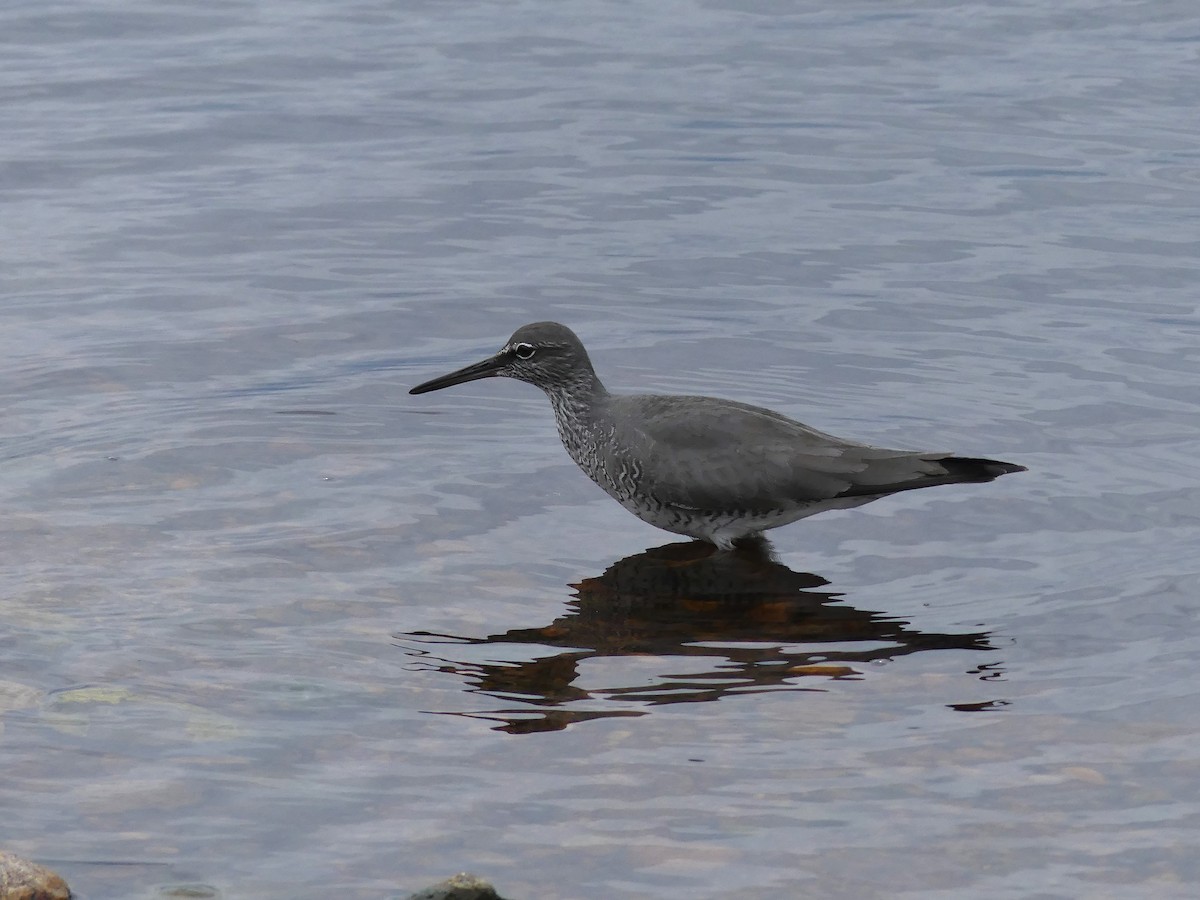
[[486, 368]]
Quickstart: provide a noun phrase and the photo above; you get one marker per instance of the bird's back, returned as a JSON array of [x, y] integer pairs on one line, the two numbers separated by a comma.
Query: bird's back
[[705, 453]]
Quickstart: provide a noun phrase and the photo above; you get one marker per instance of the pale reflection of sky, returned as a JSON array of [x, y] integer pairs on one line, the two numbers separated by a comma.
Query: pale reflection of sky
[[273, 626]]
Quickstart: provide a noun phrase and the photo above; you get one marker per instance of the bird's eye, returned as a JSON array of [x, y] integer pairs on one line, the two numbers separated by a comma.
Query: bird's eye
[[523, 351]]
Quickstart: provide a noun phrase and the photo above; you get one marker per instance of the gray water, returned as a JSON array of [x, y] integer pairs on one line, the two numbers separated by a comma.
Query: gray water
[[271, 628]]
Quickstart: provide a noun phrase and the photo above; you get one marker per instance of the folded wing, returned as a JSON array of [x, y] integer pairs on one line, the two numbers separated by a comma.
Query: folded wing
[[710, 454]]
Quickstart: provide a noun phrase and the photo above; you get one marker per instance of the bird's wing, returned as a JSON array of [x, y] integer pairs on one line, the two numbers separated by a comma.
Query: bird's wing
[[705, 453]]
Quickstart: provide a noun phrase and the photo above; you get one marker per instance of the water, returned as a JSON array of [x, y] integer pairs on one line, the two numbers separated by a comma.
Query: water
[[274, 629]]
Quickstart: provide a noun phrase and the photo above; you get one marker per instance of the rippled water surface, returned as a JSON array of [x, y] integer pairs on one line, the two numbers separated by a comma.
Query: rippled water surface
[[271, 628]]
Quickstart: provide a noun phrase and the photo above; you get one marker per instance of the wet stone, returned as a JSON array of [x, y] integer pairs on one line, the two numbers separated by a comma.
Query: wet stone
[[460, 887], [23, 879]]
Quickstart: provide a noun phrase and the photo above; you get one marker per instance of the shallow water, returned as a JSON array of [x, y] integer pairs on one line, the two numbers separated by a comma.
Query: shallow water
[[273, 628]]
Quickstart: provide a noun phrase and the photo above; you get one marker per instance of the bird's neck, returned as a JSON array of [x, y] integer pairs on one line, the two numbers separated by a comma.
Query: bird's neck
[[577, 405]]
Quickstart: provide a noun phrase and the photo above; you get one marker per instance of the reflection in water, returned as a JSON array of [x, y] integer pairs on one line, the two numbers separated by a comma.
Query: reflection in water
[[748, 622]]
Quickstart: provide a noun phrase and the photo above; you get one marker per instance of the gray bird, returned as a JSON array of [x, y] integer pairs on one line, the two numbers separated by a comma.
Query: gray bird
[[707, 468]]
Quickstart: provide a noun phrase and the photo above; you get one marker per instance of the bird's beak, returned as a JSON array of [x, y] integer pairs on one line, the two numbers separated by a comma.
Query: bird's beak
[[487, 368]]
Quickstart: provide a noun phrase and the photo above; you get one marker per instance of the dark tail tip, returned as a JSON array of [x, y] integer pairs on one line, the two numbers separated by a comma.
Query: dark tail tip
[[979, 469]]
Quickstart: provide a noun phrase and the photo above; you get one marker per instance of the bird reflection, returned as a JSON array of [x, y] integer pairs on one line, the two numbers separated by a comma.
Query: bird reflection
[[744, 622]]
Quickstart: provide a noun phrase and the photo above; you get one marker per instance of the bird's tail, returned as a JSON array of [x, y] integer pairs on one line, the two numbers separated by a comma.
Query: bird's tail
[[967, 468]]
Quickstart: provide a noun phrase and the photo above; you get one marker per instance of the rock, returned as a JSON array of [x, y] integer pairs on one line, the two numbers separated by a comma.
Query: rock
[[461, 887], [23, 879]]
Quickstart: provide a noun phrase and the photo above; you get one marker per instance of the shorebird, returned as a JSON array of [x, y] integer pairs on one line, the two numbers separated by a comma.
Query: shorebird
[[707, 468]]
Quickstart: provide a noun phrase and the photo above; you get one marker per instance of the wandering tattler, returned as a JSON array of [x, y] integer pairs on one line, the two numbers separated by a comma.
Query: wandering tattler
[[707, 468]]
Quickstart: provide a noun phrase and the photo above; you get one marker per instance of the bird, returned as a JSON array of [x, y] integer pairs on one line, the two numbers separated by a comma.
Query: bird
[[707, 468]]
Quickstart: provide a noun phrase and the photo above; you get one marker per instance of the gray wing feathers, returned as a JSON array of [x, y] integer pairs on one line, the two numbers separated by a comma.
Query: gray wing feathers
[[703, 453]]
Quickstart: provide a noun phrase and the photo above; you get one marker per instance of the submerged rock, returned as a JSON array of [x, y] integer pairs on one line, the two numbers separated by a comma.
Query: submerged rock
[[461, 887], [23, 879]]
